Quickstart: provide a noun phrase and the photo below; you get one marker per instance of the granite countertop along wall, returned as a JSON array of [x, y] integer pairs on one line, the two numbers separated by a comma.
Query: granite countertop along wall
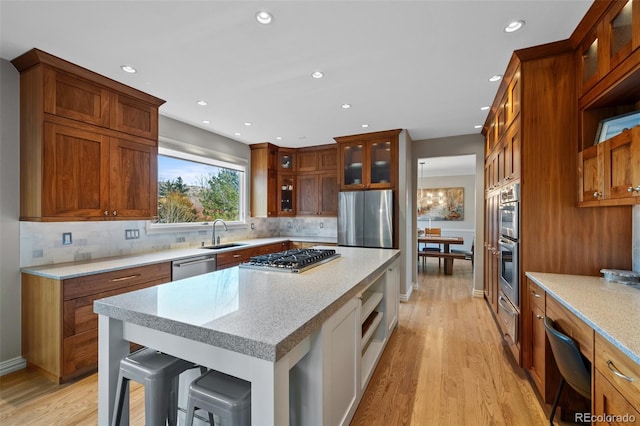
[[258, 313], [611, 309], [68, 270]]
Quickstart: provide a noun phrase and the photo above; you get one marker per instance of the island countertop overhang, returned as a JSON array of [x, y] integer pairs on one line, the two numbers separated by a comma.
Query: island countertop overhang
[[260, 314]]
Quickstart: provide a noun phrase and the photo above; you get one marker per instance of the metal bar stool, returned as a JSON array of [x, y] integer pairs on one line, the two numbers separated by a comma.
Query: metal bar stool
[[158, 373], [222, 395]]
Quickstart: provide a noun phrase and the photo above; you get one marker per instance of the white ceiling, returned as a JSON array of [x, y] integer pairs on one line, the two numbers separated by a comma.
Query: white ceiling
[[418, 65]]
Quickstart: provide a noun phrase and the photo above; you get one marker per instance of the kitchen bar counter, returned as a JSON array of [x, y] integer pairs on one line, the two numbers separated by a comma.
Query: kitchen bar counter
[[611, 309], [251, 324], [68, 270]]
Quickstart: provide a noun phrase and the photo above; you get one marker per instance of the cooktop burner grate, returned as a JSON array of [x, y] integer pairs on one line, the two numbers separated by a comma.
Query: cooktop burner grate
[[296, 260]]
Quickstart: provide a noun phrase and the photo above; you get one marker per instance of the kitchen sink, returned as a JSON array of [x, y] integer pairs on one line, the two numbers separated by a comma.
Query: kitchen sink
[[223, 246]]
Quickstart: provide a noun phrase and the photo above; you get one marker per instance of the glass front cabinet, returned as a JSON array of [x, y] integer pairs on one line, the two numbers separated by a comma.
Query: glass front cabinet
[[368, 161]]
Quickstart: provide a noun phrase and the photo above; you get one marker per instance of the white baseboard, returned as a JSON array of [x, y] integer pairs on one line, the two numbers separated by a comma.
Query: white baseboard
[[405, 297], [478, 293], [11, 365]]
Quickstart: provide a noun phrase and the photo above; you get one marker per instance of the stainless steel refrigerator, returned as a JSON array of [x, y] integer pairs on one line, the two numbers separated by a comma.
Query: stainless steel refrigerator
[[365, 218]]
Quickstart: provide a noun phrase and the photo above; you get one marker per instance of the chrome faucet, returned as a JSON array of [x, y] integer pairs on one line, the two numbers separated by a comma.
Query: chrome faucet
[[213, 235]]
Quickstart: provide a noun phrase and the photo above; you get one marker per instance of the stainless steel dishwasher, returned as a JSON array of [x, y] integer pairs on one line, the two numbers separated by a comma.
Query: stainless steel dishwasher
[[191, 266]]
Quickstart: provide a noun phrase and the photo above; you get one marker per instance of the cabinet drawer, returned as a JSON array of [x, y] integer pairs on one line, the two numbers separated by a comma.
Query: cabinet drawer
[[610, 402], [80, 353], [609, 361], [98, 283], [78, 315], [234, 257], [536, 295], [572, 326]]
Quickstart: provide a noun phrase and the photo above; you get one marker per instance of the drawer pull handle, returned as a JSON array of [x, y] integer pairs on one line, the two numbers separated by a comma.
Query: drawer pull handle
[[125, 278], [236, 256], [536, 295], [615, 371]]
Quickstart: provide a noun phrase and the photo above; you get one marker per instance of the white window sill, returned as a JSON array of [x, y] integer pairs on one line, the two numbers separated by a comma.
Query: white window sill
[[165, 228]]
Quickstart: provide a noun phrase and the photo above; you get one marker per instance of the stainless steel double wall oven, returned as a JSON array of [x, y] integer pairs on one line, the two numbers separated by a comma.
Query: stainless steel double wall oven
[[509, 294]]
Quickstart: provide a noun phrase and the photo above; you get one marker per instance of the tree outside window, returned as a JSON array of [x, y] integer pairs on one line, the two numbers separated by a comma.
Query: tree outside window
[[189, 191]]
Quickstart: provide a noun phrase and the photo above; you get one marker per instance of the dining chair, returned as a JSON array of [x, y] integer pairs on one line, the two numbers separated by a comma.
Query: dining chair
[[433, 232]]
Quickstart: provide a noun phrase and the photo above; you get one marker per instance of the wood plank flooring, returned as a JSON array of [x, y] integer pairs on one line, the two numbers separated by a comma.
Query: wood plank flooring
[[444, 365]]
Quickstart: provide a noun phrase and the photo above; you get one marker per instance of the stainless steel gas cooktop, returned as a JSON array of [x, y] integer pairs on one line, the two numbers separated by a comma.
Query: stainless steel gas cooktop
[[296, 260]]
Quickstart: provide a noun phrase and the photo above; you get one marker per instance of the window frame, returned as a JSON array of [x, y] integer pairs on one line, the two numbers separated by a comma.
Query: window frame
[[204, 156]]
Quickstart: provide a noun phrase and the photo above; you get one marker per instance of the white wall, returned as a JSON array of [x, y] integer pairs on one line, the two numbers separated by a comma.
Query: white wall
[[460, 145], [10, 322]]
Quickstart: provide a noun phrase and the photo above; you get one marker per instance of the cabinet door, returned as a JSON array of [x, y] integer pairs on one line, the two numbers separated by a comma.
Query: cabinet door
[[352, 156], [621, 156], [392, 296], [286, 195], [382, 163], [307, 195], [134, 179], [340, 373], [511, 153], [75, 98], [75, 165], [590, 174], [134, 117], [328, 192], [610, 402], [537, 339], [307, 161], [328, 159]]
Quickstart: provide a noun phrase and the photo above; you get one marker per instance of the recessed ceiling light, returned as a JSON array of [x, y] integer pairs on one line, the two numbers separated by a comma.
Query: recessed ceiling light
[[237, 133], [365, 125], [264, 17], [248, 123], [484, 108], [317, 74], [206, 121], [477, 126], [514, 26], [202, 103], [129, 69], [346, 106], [279, 138], [495, 78]]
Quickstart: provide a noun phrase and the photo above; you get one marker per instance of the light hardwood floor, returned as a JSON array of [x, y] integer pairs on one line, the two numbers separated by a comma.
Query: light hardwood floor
[[444, 365]]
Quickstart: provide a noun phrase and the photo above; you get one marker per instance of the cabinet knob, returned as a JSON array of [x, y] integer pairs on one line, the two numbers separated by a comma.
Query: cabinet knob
[[106, 213], [637, 188], [539, 316], [596, 194], [115, 213]]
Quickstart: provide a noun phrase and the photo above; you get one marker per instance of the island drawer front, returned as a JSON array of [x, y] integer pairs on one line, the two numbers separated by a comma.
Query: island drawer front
[[572, 326], [97, 283], [609, 361], [78, 315]]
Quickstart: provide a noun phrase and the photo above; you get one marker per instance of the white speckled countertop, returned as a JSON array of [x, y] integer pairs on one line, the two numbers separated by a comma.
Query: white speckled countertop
[[63, 271], [263, 314], [611, 309]]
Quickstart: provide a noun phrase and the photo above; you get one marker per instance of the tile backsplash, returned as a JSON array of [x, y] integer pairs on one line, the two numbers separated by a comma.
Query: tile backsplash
[[42, 243]]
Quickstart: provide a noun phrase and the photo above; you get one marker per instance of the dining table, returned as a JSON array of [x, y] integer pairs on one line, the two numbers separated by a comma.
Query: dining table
[[446, 242]]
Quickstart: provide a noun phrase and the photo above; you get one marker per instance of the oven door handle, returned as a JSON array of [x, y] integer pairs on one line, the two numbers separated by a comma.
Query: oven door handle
[[506, 308]]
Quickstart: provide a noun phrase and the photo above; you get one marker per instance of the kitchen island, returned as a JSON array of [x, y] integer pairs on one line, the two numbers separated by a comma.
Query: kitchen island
[[260, 325]]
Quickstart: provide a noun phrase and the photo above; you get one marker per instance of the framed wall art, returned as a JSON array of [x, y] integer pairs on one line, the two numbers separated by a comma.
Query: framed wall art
[[441, 203]]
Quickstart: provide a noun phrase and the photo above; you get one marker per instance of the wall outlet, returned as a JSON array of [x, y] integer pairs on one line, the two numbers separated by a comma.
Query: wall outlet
[[180, 239], [289, 225], [66, 238], [131, 234], [321, 225], [253, 225]]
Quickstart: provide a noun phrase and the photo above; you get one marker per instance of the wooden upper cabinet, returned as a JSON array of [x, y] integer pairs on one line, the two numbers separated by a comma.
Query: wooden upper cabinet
[[307, 160], [286, 160], [88, 144], [75, 174], [328, 159], [133, 179], [264, 180], [66, 95], [131, 116], [368, 161]]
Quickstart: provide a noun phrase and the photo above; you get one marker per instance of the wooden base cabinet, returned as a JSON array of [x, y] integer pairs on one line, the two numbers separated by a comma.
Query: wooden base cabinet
[[59, 328], [88, 145]]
